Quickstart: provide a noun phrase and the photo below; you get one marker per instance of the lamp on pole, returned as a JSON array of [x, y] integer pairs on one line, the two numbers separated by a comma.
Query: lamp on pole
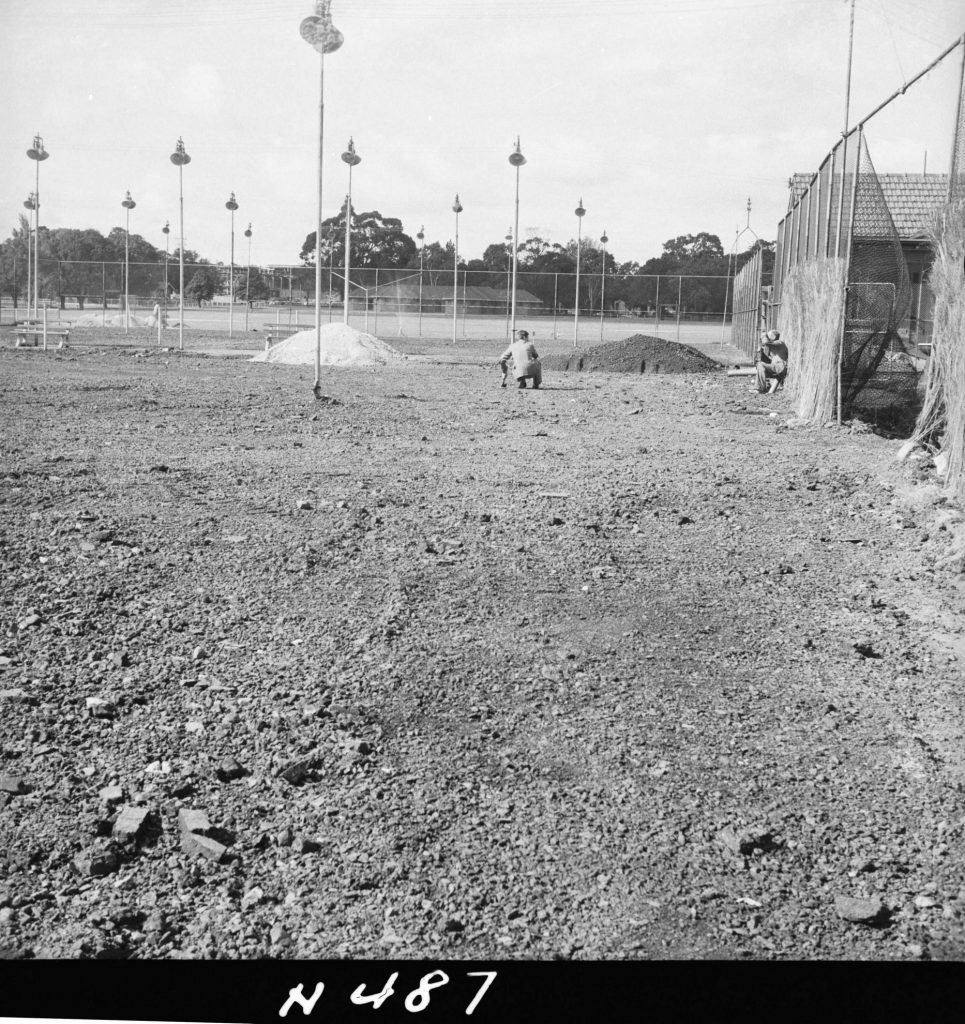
[[603, 240], [579, 243], [128, 205], [38, 154], [517, 159], [318, 31], [353, 160], [31, 203], [422, 262], [248, 276], [231, 205], [167, 241], [456, 209], [179, 158]]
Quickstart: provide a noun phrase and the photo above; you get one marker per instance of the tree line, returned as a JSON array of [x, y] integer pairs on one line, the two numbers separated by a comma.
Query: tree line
[[85, 265]]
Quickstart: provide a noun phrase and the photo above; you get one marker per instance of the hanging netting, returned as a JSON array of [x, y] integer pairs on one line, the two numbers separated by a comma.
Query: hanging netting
[[874, 376], [941, 425]]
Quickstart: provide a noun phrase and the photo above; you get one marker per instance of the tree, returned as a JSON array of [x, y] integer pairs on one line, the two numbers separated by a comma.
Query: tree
[[204, 285], [377, 241], [251, 288], [685, 248]]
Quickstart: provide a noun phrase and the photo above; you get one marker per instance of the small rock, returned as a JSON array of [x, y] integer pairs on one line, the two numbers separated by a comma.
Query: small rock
[[100, 859], [454, 925], [98, 707], [194, 726], [925, 902], [230, 769], [12, 784], [684, 520], [305, 506], [294, 772], [252, 898], [746, 841], [285, 838], [131, 824], [14, 696], [193, 822], [111, 795], [303, 846], [859, 910], [206, 847], [29, 621], [279, 936]]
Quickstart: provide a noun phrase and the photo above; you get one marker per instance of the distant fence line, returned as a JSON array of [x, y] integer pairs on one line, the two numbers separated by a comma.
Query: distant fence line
[[99, 285]]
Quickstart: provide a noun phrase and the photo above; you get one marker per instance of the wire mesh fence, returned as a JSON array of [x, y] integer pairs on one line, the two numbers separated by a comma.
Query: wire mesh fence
[[409, 301]]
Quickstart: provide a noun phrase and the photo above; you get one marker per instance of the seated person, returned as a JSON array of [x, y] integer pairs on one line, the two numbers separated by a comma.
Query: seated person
[[526, 362], [771, 363]]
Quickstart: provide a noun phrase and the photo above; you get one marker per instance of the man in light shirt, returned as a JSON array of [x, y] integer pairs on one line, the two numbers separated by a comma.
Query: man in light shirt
[[526, 364], [771, 363]]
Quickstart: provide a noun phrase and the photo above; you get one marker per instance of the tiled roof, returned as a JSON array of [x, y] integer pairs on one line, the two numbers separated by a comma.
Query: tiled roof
[[912, 199]]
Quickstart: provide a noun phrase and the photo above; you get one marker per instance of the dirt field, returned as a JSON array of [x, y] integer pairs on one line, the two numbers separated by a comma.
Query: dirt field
[[626, 668]]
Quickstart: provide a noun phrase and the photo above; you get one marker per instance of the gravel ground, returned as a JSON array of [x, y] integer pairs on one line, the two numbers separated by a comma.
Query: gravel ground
[[631, 667]]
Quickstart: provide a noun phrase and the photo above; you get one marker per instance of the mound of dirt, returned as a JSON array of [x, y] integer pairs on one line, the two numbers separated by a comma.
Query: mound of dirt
[[341, 345], [639, 353]]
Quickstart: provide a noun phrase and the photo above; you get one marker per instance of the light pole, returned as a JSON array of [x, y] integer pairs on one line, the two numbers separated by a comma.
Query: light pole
[[603, 240], [318, 31], [39, 154], [128, 205], [167, 242], [509, 271], [248, 276], [517, 159], [180, 158], [422, 262], [579, 242], [31, 203], [231, 205], [353, 160], [456, 209]]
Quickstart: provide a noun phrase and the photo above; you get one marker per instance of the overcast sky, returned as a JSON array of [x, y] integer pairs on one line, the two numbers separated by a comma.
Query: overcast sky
[[663, 115]]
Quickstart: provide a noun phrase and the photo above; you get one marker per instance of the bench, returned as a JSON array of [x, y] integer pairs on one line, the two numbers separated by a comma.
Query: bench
[[24, 332]]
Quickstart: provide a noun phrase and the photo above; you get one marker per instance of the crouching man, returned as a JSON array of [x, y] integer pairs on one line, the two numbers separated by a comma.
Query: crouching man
[[526, 364], [771, 363]]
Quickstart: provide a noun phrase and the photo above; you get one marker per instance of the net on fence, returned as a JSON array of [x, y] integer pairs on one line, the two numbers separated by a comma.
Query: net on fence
[[874, 377]]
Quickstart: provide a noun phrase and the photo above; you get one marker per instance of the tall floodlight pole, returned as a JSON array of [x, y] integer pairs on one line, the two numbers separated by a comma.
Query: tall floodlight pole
[[509, 272], [456, 209], [167, 242], [353, 160], [179, 158], [128, 205], [422, 263], [31, 203], [231, 205], [517, 160], [39, 154], [579, 244], [603, 241], [248, 276], [318, 31]]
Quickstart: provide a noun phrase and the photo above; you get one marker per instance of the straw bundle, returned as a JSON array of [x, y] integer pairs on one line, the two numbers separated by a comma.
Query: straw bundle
[[941, 424], [812, 303]]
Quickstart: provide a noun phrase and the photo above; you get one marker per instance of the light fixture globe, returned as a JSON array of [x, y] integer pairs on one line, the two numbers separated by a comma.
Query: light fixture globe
[[231, 204], [603, 237], [30, 202], [457, 206], [128, 203], [516, 158], [421, 234], [350, 156], [38, 152], [167, 227], [579, 211], [179, 156], [248, 231], [318, 31]]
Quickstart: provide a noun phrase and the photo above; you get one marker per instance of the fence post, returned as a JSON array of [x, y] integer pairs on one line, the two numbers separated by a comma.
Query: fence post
[[827, 225], [847, 270], [375, 329], [656, 322], [680, 291], [556, 285]]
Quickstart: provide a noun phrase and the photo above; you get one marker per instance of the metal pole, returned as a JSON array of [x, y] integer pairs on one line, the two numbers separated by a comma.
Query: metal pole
[[827, 226], [576, 305], [457, 209], [509, 273], [376, 327], [31, 205], [422, 256], [604, 240], [517, 160], [352, 159], [128, 205], [847, 274], [556, 285], [232, 206], [180, 157], [680, 289], [317, 386], [955, 170], [248, 277]]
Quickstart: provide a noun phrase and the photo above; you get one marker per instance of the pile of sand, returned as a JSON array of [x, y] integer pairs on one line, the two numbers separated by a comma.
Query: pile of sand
[[637, 354], [341, 345]]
